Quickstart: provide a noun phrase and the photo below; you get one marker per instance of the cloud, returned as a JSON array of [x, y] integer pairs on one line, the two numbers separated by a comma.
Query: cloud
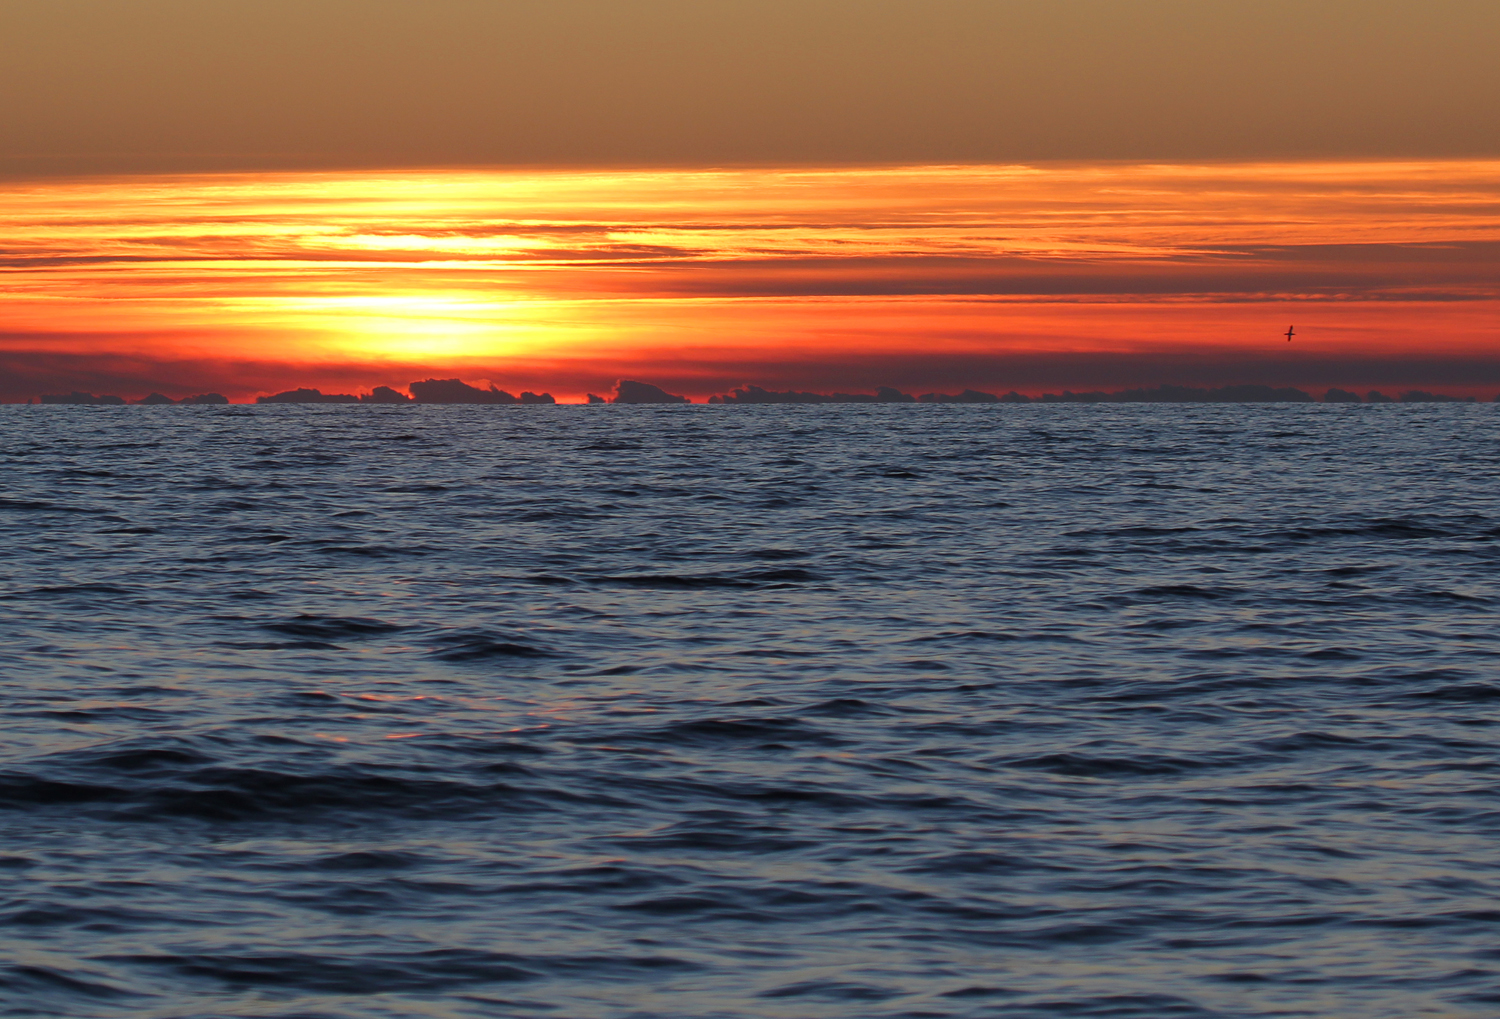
[[917, 276]]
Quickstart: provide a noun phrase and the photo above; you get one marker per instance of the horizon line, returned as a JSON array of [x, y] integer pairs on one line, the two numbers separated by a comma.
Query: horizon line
[[453, 391]]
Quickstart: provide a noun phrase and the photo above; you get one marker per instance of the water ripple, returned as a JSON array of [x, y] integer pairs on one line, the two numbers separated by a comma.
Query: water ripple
[[763, 712]]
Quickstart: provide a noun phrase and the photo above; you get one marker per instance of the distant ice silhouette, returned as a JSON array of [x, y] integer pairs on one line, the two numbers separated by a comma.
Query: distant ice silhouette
[[154, 400], [456, 391], [384, 394], [1420, 396], [643, 392], [882, 394], [627, 391], [1156, 394], [755, 394], [307, 396], [1185, 394], [202, 399], [967, 396], [85, 399]]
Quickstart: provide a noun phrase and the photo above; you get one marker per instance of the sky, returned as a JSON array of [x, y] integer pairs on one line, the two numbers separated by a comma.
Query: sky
[[250, 195]]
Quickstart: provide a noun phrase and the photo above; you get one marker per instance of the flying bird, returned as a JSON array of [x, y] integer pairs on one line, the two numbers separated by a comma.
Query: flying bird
[[1289, 334]]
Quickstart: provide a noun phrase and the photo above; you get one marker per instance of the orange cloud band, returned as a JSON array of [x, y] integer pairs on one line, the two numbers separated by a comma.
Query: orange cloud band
[[1014, 277]]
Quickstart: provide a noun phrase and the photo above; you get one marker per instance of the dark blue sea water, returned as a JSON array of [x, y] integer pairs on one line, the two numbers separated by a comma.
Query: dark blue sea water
[[791, 712]]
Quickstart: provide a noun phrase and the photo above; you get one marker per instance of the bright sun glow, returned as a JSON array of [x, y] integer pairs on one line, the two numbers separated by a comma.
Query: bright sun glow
[[734, 274]]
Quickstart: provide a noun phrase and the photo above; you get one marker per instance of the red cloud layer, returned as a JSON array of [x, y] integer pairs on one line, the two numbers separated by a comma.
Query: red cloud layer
[[925, 277]]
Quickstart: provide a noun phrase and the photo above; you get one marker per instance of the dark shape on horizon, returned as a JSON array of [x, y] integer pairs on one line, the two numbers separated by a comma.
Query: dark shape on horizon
[[1289, 334], [755, 394], [1420, 396], [1068, 396], [455, 391], [307, 396], [967, 396], [1186, 394], [160, 400], [643, 392], [1221, 395], [384, 394], [85, 400]]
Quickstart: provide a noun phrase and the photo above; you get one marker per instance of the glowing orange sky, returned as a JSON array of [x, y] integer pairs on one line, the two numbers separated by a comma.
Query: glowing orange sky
[[1049, 276]]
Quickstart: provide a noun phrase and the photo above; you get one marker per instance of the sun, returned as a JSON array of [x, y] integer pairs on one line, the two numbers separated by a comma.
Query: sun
[[414, 327]]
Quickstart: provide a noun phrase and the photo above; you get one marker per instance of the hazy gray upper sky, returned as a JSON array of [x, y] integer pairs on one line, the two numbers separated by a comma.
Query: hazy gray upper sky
[[109, 85]]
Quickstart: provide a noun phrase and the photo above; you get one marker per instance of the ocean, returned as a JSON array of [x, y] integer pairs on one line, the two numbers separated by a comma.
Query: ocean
[[784, 712]]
